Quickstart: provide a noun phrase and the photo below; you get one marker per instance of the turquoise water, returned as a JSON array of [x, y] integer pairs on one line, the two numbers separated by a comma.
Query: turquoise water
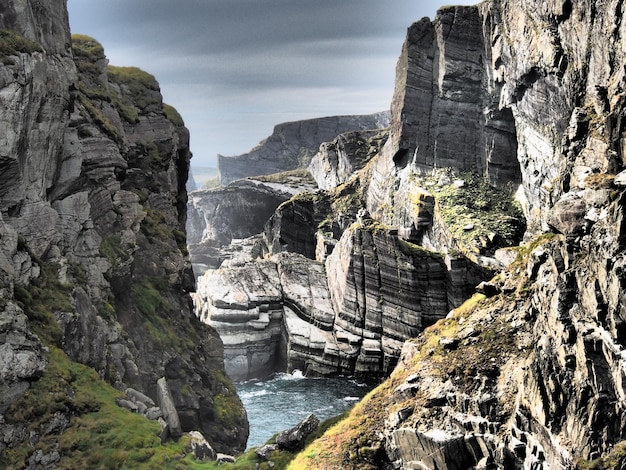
[[284, 400]]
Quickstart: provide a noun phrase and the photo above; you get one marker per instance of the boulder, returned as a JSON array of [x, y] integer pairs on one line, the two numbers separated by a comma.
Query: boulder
[[129, 405], [200, 448], [265, 452], [568, 215], [293, 439], [225, 458], [138, 397]]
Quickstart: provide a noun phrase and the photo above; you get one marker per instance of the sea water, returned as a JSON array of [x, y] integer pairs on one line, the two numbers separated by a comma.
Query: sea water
[[282, 401]]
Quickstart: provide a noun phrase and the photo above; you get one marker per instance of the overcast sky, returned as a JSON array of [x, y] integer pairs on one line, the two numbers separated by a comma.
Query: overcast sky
[[235, 68]]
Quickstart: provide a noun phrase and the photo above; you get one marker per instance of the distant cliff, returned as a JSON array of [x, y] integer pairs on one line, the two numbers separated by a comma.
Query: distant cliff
[[293, 144], [94, 270]]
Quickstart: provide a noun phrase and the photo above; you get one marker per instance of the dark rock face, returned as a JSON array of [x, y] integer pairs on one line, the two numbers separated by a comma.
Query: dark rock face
[[293, 227], [348, 316], [293, 439], [445, 110], [293, 144], [92, 216]]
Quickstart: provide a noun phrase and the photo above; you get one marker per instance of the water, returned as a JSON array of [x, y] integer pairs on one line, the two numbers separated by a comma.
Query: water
[[284, 400]]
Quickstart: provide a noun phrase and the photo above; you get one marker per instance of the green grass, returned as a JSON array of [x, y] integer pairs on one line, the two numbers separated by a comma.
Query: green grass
[[615, 459], [87, 47], [154, 226], [13, 43], [100, 435], [136, 85], [148, 297], [111, 248]]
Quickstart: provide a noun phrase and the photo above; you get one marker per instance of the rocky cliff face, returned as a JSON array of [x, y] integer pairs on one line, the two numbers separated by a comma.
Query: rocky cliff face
[[529, 375], [94, 267], [293, 144]]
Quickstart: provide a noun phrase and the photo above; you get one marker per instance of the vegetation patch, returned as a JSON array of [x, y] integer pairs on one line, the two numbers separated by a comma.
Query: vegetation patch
[[480, 216], [155, 227], [87, 47], [165, 327], [600, 181], [615, 459], [148, 297], [111, 248], [96, 434], [173, 115], [139, 87], [99, 119], [13, 43], [298, 176], [41, 298], [413, 250]]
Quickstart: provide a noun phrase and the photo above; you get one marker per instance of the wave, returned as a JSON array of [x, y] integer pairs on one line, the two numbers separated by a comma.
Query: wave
[[252, 394]]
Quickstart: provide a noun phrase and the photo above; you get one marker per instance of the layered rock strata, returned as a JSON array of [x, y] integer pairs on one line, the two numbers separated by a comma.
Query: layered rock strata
[[349, 316], [92, 213], [293, 144]]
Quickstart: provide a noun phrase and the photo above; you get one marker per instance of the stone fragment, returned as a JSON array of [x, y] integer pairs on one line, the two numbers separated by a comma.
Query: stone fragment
[[166, 404], [488, 289], [568, 215], [225, 458], [138, 397], [129, 405], [293, 439], [153, 413]]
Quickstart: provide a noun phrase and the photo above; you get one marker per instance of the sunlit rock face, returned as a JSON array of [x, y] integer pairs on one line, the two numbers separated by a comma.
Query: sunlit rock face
[[532, 376], [92, 221], [292, 145], [337, 161]]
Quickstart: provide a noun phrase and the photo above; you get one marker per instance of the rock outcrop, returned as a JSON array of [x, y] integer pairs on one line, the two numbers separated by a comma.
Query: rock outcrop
[[93, 263], [338, 160], [293, 144], [240, 210]]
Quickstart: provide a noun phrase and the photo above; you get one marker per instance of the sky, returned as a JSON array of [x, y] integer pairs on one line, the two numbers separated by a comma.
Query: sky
[[236, 68]]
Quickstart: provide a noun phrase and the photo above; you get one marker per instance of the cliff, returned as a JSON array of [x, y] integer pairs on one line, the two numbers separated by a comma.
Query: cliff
[[293, 144], [528, 373], [94, 270]]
